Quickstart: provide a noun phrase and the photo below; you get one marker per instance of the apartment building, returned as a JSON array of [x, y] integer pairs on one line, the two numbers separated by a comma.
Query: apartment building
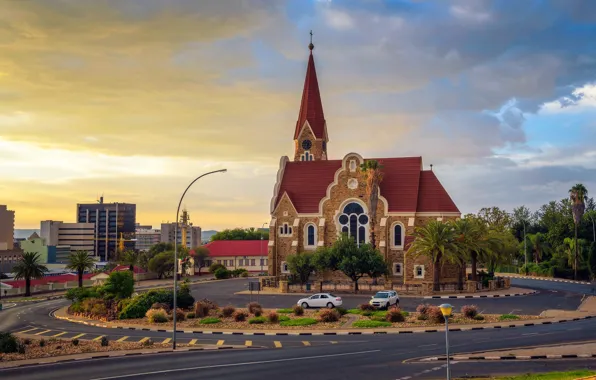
[[146, 238], [77, 236], [6, 228]]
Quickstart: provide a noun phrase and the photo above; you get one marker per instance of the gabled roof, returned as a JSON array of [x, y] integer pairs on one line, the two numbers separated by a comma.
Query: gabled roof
[[34, 236], [404, 185], [311, 107], [221, 248]]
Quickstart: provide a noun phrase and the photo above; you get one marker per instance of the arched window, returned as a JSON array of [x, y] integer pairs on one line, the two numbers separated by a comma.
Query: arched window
[[310, 235], [285, 230], [354, 222], [398, 235]]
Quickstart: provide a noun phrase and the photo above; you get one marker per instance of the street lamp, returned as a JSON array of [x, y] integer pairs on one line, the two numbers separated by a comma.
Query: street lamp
[[261, 258], [446, 311], [176, 249]]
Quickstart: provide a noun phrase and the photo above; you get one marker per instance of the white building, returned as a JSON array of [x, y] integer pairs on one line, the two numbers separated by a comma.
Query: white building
[[79, 236], [193, 234], [147, 238]]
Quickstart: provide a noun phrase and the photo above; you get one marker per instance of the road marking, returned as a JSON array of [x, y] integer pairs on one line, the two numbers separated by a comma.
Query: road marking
[[248, 343], [98, 338], [25, 331], [333, 342], [144, 339], [193, 342], [236, 364], [59, 334], [220, 343], [167, 340], [277, 343], [42, 332], [77, 336], [306, 343], [530, 334], [122, 339], [428, 345]]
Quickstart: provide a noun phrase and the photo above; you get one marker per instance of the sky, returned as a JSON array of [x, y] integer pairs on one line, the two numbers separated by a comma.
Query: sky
[[134, 99]]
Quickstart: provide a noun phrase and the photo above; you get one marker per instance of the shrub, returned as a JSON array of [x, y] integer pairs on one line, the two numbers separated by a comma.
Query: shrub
[[469, 311], [157, 316], [244, 274], [209, 321], [119, 285], [285, 311], [257, 320], [139, 305], [239, 272], [211, 305], [479, 317], [8, 343], [99, 309], [422, 317], [161, 305], [395, 315], [180, 315], [76, 307], [341, 310], [284, 318], [104, 341], [190, 315], [27, 341], [299, 322], [201, 309], [228, 311], [79, 294], [434, 314], [422, 308], [75, 342], [371, 324], [273, 317], [328, 315], [42, 343], [214, 267], [506, 317], [184, 299], [367, 307], [253, 307], [405, 314], [298, 310], [147, 343], [21, 348], [222, 273], [240, 316]]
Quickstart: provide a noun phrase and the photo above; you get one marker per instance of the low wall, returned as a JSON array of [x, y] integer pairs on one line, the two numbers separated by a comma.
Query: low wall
[[43, 289]]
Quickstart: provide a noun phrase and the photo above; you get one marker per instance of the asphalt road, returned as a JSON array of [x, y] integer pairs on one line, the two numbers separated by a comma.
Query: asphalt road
[[553, 285], [323, 357]]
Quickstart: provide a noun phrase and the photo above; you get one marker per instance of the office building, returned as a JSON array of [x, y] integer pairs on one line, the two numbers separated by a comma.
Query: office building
[[188, 235], [76, 236], [146, 238], [48, 254], [6, 228], [112, 221]]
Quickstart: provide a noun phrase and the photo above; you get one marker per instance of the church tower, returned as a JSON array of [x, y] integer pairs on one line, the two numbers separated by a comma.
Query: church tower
[[310, 137]]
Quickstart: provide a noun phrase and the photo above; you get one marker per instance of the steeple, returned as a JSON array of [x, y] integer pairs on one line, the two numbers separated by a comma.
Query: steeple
[[314, 140]]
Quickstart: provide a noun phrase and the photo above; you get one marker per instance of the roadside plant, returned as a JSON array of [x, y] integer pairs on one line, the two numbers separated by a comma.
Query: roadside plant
[[469, 311], [328, 315], [75, 342], [273, 317], [240, 316], [255, 307], [434, 315], [228, 311], [257, 320], [42, 343], [104, 341], [367, 307], [157, 316], [8, 343], [395, 315], [298, 310]]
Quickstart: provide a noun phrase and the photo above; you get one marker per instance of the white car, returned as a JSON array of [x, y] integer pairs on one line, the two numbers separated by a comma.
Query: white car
[[327, 300], [384, 299]]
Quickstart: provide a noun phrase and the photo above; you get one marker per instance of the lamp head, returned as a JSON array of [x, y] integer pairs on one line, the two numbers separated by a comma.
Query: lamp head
[[446, 309]]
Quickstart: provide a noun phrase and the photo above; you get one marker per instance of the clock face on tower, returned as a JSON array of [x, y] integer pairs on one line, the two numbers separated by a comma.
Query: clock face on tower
[[306, 144]]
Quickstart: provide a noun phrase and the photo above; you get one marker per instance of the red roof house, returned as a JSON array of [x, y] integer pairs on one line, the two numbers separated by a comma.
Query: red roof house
[[248, 254]]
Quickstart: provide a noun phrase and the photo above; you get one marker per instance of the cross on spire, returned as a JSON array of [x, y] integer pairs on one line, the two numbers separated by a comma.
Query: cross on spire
[[311, 46]]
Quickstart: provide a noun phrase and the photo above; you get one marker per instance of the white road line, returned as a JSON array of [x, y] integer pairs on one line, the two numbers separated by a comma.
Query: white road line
[[233, 365], [428, 345]]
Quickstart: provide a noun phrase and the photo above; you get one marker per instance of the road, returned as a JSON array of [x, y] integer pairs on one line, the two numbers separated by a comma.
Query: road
[[322, 357]]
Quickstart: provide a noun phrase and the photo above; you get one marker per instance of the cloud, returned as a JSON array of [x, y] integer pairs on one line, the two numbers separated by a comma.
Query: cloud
[[581, 99]]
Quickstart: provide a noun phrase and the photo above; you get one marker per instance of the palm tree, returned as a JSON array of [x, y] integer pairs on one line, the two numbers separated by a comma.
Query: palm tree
[[538, 245], [131, 258], [467, 235], [374, 176], [578, 195], [81, 262], [29, 267], [437, 241]]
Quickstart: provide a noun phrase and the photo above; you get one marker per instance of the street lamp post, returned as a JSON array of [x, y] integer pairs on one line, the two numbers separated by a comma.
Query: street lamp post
[[261, 257], [176, 249], [446, 311]]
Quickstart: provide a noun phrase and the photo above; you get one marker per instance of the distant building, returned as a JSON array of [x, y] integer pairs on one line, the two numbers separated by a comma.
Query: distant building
[[48, 254], [233, 254], [6, 228], [139, 226], [146, 238], [112, 220], [193, 234], [8, 259], [75, 236]]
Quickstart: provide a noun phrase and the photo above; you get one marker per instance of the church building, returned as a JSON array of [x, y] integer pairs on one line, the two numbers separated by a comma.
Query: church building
[[316, 198]]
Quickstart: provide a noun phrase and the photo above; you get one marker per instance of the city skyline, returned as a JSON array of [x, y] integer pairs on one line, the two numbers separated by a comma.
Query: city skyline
[[134, 101]]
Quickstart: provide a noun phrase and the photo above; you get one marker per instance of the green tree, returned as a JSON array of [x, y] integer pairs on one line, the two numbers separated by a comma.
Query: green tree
[[200, 255], [81, 262], [467, 233], [119, 285], [578, 195], [373, 173], [590, 216], [241, 234], [159, 248], [131, 258], [162, 263], [27, 268], [301, 265], [436, 240], [538, 246]]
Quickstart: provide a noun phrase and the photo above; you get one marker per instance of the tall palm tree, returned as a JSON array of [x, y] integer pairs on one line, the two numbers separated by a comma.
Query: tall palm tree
[[29, 267], [467, 239], [81, 262], [578, 195], [131, 258], [485, 246], [437, 241], [374, 176], [538, 245]]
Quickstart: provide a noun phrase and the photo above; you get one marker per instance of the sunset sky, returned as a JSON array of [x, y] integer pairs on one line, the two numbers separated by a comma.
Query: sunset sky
[[135, 98]]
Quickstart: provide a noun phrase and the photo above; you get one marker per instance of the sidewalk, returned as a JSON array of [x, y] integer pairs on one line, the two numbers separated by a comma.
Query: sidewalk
[[513, 275], [587, 307]]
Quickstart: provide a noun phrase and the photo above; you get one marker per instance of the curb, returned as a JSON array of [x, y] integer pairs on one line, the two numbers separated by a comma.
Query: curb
[[39, 300], [509, 357], [116, 354], [549, 279], [356, 332], [485, 296]]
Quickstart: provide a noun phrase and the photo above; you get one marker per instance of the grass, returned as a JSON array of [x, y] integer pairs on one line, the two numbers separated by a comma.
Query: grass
[[284, 318], [550, 376], [257, 320], [371, 324], [507, 317], [299, 322], [285, 311], [209, 321], [354, 311]]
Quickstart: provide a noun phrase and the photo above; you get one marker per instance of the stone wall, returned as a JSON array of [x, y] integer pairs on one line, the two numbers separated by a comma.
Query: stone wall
[[317, 145]]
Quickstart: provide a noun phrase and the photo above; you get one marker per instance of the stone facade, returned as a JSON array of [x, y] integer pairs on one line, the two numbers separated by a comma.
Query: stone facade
[[318, 147]]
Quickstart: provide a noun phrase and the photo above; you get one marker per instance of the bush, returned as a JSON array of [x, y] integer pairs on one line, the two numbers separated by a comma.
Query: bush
[[157, 316], [506, 317], [479, 318], [341, 310], [285, 311], [222, 274], [184, 299], [239, 272], [405, 314], [211, 305], [75, 342], [119, 285], [147, 343], [422, 308], [422, 317], [299, 322], [214, 267], [138, 306], [190, 315], [367, 307], [228, 311], [328, 315], [253, 307], [284, 318], [42, 343], [8, 343], [79, 294], [273, 317], [298, 310], [21, 348], [257, 320], [240, 316], [209, 321], [26, 341], [434, 314], [161, 305], [99, 309], [244, 274], [104, 341], [180, 315], [371, 324], [395, 315], [469, 311], [201, 309]]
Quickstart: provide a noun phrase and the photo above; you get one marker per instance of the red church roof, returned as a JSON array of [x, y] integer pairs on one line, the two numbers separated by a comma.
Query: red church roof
[[405, 186], [220, 248], [311, 107]]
